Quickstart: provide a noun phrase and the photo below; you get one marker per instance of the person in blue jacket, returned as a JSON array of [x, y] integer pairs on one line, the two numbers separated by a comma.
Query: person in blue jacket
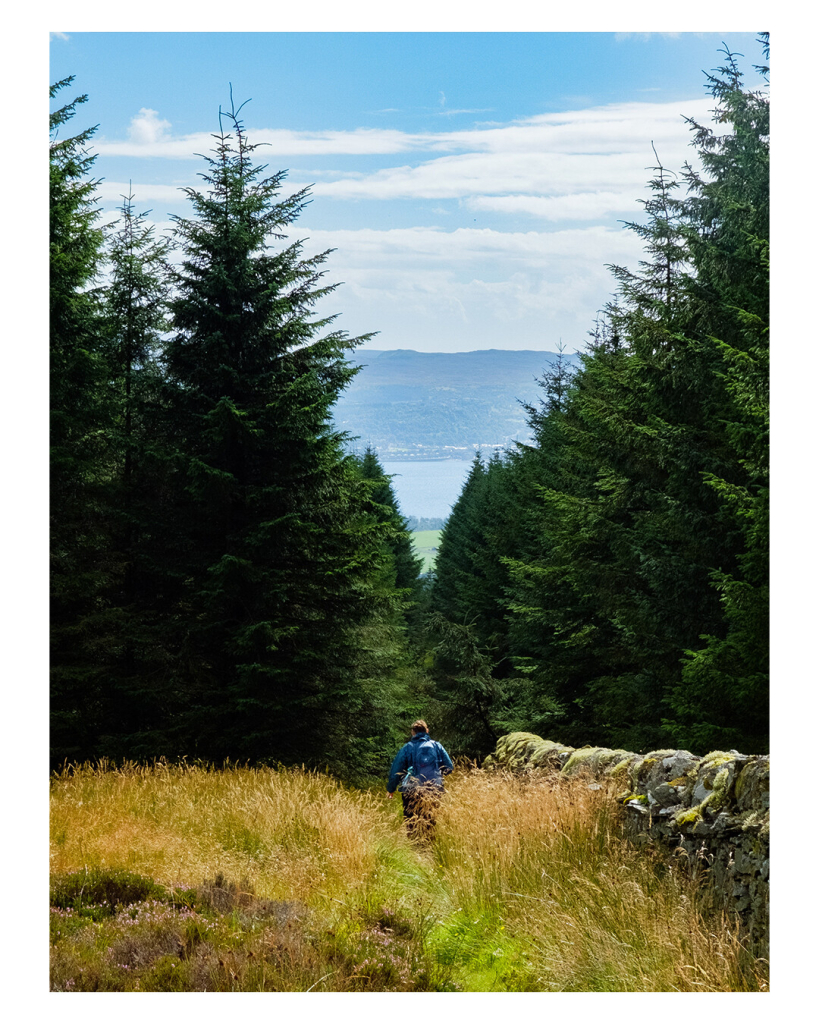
[[418, 771]]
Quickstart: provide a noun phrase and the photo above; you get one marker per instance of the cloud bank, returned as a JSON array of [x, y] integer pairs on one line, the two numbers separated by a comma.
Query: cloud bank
[[566, 178]]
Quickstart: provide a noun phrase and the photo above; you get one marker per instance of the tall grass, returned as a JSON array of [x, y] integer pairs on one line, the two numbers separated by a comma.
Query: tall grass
[[287, 880]]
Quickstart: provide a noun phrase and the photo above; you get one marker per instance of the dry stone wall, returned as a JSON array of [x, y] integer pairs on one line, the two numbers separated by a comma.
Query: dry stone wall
[[714, 809]]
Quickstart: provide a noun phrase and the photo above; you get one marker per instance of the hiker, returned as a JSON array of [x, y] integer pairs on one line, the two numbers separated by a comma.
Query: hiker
[[420, 765]]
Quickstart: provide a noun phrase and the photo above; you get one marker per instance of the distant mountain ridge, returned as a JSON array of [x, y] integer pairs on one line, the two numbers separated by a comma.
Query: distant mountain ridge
[[414, 405]]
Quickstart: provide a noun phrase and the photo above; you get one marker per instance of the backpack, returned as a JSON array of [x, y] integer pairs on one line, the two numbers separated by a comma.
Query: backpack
[[424, 767]]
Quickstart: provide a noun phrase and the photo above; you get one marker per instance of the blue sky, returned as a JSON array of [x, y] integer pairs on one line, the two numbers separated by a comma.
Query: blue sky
[[472, 184]]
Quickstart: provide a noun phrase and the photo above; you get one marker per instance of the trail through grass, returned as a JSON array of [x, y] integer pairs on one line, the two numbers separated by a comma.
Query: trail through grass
[[191, 879]]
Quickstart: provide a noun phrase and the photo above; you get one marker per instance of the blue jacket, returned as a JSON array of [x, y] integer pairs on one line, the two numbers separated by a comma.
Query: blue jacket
[[407, 757]]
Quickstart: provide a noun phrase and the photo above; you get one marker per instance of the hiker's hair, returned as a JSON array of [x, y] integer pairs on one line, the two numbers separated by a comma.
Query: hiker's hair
[[419, 725]]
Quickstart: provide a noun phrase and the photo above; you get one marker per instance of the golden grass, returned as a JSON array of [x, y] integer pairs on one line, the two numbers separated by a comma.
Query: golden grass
[[286, 832], [528, 885], [596, 912]]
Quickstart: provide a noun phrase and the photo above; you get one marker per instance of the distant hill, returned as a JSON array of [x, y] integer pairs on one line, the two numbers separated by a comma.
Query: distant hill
[[411, 404]]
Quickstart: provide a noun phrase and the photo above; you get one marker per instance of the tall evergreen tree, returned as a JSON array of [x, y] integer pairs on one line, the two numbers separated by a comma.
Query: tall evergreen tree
[[278, 554], [137, 657], [467, 623], [722, 698], [460, 538], [81, 456], [405, 564], [656, 523], [137, 318]]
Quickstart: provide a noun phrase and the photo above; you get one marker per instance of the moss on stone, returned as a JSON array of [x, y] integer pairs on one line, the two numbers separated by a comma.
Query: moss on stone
[[642, 768], [720, 789], [715, 758], [578, 758], [688, 816], [607, 756], [621, 768]]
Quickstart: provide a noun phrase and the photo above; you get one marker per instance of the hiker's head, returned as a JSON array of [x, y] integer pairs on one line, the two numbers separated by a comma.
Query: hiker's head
[[419, 726]]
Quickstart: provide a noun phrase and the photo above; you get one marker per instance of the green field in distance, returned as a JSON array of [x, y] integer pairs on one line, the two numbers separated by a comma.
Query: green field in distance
[[426, 544]]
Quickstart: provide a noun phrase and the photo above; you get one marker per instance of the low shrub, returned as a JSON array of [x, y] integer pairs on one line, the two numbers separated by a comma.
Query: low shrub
[[98, 892]]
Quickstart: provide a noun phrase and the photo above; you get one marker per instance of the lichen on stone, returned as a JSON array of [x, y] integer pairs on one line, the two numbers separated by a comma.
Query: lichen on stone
[[714, 809], [755, 821]]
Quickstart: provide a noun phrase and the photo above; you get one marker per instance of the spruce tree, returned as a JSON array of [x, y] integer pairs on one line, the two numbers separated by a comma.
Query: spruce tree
[[405, 564], [655, 526], [137, 703], [466, 622], [460, 538], [276, 553], [81, 452], [722, 697]]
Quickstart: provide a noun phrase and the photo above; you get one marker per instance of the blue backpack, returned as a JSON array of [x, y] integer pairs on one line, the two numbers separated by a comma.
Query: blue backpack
[[425, 765]]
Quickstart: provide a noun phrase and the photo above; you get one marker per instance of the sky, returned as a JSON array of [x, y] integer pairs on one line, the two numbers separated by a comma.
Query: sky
[[473, 185]]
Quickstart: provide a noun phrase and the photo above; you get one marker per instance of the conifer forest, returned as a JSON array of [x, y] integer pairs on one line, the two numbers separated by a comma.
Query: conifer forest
[[231, 581]]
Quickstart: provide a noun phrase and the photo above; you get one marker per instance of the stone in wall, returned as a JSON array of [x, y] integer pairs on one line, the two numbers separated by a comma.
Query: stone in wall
[[714, 810]]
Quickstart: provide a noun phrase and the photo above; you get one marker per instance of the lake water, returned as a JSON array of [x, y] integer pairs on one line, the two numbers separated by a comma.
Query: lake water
[[428, 489]]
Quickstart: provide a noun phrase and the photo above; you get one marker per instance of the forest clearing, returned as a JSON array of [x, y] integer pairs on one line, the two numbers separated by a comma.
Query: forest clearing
[[190, 878]]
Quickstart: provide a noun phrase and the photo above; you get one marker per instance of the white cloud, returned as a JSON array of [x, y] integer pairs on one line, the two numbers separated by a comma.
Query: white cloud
[[441, 290], [580, 164], [595, 130], [59, 35], [537, 173], [445, 290], [591, 205], [469, 243], [277, 142], [147, 128]]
